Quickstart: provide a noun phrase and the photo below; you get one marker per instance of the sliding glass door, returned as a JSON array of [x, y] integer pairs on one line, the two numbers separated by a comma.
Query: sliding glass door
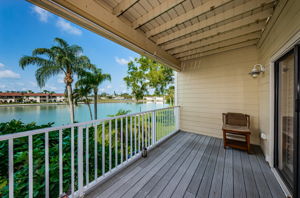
[[286, 118]]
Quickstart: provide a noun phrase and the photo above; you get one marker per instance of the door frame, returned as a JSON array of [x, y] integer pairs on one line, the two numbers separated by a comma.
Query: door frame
[[294, 188]]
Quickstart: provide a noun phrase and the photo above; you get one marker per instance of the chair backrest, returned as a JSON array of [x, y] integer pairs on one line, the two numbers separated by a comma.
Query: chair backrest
[[236, 119]]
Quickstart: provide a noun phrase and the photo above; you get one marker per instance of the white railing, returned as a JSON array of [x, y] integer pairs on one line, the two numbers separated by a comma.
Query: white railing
[[77, 157]]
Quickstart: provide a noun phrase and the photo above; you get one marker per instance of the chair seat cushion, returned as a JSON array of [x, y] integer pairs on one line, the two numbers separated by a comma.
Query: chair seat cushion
[[238, 129]]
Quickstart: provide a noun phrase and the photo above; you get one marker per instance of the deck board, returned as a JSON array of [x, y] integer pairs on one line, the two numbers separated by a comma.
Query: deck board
[[239, 189], [154, 187], [227, 188], [216, 186], [190, 165], [204, 188]]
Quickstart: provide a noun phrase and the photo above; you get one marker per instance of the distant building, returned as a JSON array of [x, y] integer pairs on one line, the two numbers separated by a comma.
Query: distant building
[[119, 98], [155, 99], [31, 97]]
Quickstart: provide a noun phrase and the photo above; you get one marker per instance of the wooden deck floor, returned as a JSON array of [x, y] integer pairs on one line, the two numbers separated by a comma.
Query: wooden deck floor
[[190, 165]]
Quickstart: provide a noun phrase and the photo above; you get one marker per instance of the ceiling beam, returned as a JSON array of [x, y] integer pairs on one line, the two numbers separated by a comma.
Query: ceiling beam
[[277, 12], [89, 14], [224, 28], [220, 50], [200, 10], [255, 27], [229, 14], [123, 6], [220, 44], [155, 12]]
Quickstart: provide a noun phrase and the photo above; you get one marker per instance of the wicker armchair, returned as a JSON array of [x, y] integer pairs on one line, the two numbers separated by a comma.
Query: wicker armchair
[[236, 127]]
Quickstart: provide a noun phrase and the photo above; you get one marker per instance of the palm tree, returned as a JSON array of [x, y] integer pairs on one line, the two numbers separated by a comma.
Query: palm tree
[[59, 59], [93, 79]]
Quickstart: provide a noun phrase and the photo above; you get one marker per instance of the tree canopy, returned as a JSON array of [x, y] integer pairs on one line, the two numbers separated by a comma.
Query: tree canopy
[[144, 74]]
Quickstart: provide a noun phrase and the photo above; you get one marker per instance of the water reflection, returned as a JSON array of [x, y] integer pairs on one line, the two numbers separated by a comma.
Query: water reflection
[[60, 113]]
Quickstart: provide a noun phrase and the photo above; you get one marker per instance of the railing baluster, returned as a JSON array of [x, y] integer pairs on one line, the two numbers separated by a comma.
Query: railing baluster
[[11, 167], [164, 121], [80, 161], [122, 150], [30, 167], [110, 157], [72, 161], [135, 131], [153, 127], [96, 150], [131, 149], [103, 148], [60, 162], [158, 126], [149, 129], [143, 117], [171, 126], [126, 138], [168, 121], [116, 142], [87, 155], [139, 133], [47, 165]]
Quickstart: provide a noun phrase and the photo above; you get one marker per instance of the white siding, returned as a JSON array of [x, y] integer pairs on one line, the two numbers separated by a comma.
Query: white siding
[[287, 25], [216, 84]]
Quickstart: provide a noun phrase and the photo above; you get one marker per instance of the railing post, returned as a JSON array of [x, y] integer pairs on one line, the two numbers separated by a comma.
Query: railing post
[[80, 162], [177, 118], [11, 167], [153, 127]]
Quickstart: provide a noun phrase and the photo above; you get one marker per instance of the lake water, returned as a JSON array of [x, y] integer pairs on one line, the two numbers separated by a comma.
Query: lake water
[[59, 114]]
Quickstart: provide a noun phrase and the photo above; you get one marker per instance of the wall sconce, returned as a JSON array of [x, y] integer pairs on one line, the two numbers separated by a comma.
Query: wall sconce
[[257, 69]]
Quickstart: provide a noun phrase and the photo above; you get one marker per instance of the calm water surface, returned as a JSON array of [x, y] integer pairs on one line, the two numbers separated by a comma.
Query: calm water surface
[[59, 114]]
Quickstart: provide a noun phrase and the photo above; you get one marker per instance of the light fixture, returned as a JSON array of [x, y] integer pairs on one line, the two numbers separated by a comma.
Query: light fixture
[[257, 69]]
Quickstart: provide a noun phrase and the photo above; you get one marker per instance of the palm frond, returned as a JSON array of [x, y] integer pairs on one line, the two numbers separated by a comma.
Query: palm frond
[[75, 49], [61, 42], [43, 51], [44, 73], [31, 60]]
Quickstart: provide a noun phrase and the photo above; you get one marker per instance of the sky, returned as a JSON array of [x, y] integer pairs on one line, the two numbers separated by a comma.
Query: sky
[[24, 27]]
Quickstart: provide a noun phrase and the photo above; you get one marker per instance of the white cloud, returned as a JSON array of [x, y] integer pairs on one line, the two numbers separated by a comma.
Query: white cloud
[[42, 14], [1, 65], [108, 87], [123, 61], [9, 74], [67, 27]]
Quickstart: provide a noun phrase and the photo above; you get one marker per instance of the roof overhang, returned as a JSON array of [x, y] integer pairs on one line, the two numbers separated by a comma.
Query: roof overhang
[[170, 31]]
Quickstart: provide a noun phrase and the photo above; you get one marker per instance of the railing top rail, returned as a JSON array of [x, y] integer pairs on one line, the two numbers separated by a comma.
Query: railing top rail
[[45, 130]]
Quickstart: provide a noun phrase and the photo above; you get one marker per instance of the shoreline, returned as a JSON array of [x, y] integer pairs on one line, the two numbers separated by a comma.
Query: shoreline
[[30, 104], [45, 104]]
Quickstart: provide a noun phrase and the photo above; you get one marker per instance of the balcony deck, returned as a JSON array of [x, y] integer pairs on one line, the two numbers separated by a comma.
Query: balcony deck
[[190, 165]]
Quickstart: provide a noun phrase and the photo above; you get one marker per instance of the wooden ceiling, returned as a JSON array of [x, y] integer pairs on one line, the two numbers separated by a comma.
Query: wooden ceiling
[[171, 31], [189, 29]]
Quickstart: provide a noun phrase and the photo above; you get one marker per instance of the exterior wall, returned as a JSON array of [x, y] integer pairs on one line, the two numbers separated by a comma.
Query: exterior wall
[[286, 27], [216, 84]]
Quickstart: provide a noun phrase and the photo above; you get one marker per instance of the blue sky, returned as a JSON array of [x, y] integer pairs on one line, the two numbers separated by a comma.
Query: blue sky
[[24, 27]]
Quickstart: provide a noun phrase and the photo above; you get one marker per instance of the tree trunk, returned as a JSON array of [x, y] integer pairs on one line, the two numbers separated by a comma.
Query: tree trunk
[[89, 106], [71, 105], [95, 103]]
